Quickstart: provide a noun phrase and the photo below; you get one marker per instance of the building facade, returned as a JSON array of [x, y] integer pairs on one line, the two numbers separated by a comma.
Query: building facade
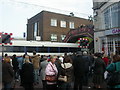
[[50, 26], [107, 27]]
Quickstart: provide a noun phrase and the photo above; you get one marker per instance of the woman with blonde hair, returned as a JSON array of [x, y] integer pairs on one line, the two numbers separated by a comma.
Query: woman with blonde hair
[[7, 73], [27, 74], [51, 70]]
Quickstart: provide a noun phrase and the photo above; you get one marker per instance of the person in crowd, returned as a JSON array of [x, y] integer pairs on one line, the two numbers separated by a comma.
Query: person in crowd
[[27, 74], [15, 67], [61, 59], [79, 71], [65, 54], [36, 64], [51, 69], [42, 73], [111, 57], [87, 67], [73, 56], [105, 59], [91, 56], [58, 63], [66, 70], [20, 63], [99, 69], [7, 73], [111, 67], [42, 58], [6, 55]]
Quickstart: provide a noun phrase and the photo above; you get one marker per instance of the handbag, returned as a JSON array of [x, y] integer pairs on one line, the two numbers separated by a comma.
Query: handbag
[[51, 78], [114, 78], [62, 78]]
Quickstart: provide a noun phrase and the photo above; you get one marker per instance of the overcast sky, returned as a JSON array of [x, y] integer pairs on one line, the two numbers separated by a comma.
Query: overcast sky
[[14, 13]]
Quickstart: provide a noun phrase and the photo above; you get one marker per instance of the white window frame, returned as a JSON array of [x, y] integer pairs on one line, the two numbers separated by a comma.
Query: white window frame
[[53, 22], [63, 37], [53, 37], [35, 30], [71, 25], [63, 23]]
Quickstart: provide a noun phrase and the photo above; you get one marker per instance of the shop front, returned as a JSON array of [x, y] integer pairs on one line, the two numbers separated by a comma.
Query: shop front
[[111, 41]]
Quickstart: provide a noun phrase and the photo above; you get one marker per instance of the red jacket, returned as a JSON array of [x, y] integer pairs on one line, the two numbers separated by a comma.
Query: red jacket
[[106, 60]]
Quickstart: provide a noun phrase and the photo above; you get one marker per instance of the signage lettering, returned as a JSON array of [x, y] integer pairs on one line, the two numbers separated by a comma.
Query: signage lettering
[[116, 31]]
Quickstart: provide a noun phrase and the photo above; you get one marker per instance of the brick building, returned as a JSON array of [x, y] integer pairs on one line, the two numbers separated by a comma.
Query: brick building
[[50, 26]]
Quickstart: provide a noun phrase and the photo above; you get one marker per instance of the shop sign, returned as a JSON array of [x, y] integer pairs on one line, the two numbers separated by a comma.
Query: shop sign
[[112, 31]]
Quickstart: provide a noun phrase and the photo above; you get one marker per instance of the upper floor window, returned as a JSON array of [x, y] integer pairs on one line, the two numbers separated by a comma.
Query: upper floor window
[[63, 37], [62, 23], [35, 29], [53, 37], [111, 16], [71, 25], [53, 22]]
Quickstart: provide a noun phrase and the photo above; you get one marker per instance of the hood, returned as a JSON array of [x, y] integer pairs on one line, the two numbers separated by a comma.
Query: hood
[[67, 65], [35, 56]]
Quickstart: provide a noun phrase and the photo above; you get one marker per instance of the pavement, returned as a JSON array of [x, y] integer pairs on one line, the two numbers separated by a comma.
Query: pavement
[[39, 86], [17, 86]]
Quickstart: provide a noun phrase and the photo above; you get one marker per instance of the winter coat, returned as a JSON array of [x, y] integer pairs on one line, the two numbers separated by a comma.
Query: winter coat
[[7, 72], [15, 63], [51, 69], [87, 63], [43, 67], [67, 70], [99, 67], [111, 68], [79, 66], [27, 73], [20, 62], [36, 61]]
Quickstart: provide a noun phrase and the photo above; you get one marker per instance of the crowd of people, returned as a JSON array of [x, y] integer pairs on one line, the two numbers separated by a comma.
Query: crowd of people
[[76, 70]]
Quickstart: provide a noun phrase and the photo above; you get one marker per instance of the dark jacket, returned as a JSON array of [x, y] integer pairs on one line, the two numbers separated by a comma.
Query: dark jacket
[[87, 62], [15, 63], [7, 73], [67, 70], [99, 67], [79, 66], [27, 73]]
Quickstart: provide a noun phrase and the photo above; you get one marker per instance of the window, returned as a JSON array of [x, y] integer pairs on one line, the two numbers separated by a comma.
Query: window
[[71, 25], [53, 22], [111, 16], [53, 37], [35, 30], [62, 23], [62, 37]]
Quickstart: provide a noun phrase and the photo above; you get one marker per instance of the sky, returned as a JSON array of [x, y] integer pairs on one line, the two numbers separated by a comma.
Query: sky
[[14, 13]]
